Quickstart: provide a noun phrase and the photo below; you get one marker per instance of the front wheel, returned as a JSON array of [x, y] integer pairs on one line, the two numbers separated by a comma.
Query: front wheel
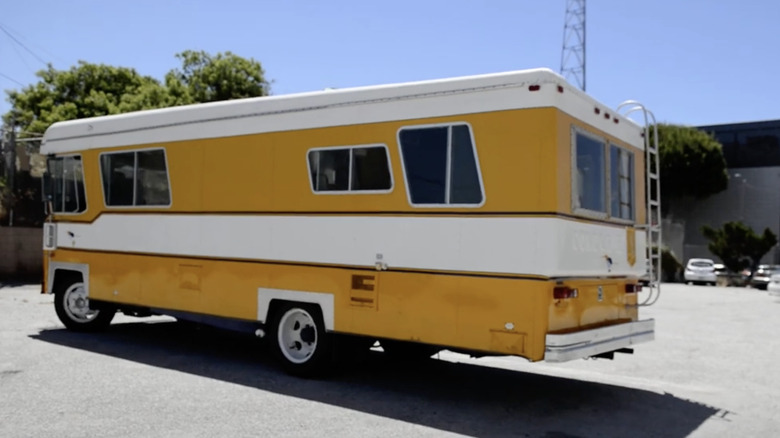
[[73, 309], [300, 341]]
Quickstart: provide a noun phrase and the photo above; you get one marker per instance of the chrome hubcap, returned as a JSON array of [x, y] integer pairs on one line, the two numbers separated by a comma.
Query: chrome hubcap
[[77, 304], [297, 335]]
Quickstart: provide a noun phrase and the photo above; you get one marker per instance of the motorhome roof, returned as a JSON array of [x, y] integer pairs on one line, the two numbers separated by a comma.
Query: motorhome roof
[[432, 98]]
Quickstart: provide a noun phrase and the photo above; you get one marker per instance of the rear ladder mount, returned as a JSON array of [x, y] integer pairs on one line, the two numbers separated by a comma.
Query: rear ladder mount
[[652, 197]]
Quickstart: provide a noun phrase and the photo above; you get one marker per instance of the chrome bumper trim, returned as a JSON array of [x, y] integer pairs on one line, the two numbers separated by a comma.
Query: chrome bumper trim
[[586, 343]]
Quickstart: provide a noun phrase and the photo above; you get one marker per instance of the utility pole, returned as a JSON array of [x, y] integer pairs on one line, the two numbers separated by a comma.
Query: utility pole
[[12, 173], [573, 53]]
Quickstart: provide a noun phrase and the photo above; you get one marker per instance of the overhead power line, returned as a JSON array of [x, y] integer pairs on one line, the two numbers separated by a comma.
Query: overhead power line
[[14, 39], [12, 79], [49, 55]]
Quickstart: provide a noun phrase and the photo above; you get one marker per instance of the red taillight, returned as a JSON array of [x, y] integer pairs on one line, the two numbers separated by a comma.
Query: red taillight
[[633, 288], [564, 292]]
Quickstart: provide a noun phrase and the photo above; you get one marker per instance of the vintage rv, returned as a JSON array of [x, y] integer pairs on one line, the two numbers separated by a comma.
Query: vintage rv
[[506, 214]]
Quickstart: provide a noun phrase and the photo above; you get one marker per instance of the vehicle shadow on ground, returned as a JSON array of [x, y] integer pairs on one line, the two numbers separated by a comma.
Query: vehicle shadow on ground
[[461, 398]]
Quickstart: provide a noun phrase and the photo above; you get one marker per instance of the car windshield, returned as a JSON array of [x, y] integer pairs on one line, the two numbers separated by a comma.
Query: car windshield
[[701, 264]]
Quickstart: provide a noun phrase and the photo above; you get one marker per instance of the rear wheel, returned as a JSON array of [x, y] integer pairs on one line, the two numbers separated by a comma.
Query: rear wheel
[[300, 341], [73, 308]]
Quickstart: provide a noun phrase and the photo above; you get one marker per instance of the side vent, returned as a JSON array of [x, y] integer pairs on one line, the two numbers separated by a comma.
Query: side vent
[[363, 291]]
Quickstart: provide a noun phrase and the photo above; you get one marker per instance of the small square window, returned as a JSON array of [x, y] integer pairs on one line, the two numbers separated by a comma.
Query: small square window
[[350, 169], [135, 178]]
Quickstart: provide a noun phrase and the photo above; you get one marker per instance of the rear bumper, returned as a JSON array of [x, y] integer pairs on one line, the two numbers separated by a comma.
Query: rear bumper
[[577, 345], [695, 276]]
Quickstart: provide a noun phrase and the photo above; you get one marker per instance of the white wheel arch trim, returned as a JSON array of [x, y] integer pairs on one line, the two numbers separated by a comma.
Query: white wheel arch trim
[[324, 300], [60, 266]]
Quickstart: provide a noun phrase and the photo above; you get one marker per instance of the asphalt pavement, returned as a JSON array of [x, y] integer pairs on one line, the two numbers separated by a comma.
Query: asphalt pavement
[[711, 372]]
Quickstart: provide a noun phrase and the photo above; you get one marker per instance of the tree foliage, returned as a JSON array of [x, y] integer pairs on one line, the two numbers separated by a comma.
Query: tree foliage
[[692, 163], [85, 90], [206, 78], [738, 246], [88, 90]]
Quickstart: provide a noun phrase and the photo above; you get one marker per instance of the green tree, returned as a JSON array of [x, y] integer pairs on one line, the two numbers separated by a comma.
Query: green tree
[[738, 246], [89, 90], [85, 90], [206, 78], [692, 163]]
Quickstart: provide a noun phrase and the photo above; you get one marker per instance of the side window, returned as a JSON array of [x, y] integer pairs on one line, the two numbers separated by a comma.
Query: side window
[[440, 165], [621, 163], [151, 178], [370, 169], [118, 172], [66, 185], [589, 182], [350, 169], [135, 178], [603, 185]]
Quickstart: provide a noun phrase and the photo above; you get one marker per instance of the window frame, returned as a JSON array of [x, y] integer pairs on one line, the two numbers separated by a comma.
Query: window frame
[[350, 191], [135, 182], [84, 183], [448, 170], [606, 179]]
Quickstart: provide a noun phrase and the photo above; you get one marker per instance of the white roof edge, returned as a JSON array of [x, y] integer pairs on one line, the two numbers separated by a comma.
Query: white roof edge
[[71, 135]]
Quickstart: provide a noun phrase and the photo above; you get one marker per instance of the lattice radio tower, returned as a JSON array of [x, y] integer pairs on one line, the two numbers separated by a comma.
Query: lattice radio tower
[[573, 54]]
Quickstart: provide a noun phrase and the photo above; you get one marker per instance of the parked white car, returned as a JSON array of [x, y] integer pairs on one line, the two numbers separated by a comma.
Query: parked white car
[[774, 285], [700, 271]]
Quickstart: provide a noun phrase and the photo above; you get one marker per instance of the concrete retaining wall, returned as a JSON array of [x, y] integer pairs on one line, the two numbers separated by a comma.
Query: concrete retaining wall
[[21, 253]]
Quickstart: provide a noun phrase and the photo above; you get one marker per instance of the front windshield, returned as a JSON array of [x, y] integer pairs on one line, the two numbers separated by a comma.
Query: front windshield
[[65, 188]]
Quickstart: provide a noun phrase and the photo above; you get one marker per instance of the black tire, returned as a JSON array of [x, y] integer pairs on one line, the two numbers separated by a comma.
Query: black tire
[[408, 351], [73, 308], [299, 340]]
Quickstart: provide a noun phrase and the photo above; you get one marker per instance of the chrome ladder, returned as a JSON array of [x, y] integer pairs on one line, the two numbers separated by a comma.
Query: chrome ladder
[[652, 197]]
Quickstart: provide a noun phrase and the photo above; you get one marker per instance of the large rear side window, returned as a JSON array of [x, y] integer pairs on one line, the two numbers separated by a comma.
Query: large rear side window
[[441, 166]]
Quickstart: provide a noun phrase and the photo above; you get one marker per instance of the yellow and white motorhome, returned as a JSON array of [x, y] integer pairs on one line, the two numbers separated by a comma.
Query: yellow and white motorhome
[[496, 214]]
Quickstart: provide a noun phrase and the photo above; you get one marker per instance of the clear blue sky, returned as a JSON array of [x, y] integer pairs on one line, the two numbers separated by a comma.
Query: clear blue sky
[[690, 61]]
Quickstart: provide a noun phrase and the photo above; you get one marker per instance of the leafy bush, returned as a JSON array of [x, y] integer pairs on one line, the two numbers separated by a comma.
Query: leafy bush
[[671, 268]]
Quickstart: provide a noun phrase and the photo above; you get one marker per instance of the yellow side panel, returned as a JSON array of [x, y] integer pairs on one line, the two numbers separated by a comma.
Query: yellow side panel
[[236, 172], [499, 315]]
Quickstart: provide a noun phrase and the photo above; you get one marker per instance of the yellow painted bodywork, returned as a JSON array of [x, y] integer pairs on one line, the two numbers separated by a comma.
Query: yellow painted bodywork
[[524, 156], [525, 161]]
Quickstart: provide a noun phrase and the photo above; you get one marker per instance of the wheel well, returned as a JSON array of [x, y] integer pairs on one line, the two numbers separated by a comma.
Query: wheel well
[[269, 300], [275, 306], [64, 278]]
